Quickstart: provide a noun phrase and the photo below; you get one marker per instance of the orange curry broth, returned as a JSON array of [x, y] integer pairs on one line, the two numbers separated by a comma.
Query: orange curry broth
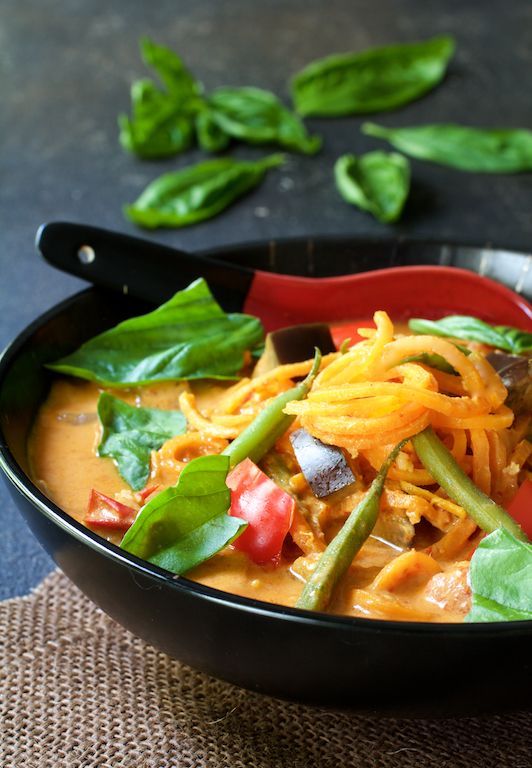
[[64, 463]]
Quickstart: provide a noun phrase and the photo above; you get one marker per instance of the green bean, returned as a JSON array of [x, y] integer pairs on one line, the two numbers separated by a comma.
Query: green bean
[[442, 466], [338, 556], [266, 428]]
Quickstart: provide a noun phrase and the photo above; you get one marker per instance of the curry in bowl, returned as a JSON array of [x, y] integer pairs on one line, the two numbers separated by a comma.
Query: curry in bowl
[[369, 469]]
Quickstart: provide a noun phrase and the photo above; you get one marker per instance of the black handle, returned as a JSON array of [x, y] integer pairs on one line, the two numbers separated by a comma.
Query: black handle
[[138, 267]]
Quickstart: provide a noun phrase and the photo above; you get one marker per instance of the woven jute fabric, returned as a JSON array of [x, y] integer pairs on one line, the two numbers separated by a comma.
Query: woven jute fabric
[[79, 691]]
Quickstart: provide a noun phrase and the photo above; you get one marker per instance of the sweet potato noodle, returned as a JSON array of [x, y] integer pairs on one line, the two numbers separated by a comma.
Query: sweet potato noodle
[[365, 400]]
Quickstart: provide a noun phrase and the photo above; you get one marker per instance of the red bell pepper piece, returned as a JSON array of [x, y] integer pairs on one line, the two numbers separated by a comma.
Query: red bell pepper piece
[[105, 512], [147, 492], [520, 507], [267, 509], [342, 331]]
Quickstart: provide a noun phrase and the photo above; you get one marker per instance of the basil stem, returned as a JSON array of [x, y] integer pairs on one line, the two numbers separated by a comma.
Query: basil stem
[[338, 556], [372, 81], [266, 428], [377, 182], [197, 192], [485, 150], [442, 466]]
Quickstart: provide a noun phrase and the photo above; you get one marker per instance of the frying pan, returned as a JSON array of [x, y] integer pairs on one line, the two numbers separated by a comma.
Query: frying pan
[[365, 665]]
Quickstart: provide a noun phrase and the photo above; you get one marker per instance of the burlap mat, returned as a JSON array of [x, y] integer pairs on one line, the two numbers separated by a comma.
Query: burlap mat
[[78, 691]]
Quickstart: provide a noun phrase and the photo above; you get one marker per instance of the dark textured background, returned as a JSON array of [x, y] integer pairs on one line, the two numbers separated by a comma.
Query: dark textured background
[[65, 70]]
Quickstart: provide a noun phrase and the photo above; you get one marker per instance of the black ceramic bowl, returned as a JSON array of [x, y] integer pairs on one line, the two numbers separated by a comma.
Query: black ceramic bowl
[[374, 666]]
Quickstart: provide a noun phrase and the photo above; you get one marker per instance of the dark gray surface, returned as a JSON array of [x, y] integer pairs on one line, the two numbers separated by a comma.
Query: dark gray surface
[[65, 69]]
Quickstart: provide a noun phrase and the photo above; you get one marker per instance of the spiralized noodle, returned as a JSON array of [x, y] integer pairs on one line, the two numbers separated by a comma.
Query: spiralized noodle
[[368, 398], [365, 400]]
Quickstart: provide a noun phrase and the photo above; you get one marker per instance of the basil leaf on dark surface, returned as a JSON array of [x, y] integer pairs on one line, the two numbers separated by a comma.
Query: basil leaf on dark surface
[[129, 434], [485, 150], [256, 116], [162, 121], [377, 182], [501, 579], [471, 328], [188, 337], [171, 70], [211, 137], [197, 192], [188, 523], [158, 126], [372, 81]]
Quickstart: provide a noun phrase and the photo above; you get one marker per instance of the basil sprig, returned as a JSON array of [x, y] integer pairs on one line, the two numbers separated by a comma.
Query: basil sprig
[[485, 150], [372, 81], [162, 120], [377, 182], [501, 579], [188, 523], [166, 121], [471, 328], [130, 434], [197, 192], [188, 337], [256, 116]]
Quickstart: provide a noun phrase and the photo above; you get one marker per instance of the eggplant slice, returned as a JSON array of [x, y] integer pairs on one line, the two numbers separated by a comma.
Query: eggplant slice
[[516, 374], [324, 466]]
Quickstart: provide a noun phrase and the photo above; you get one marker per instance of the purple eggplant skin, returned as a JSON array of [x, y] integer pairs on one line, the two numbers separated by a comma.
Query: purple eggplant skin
[[516, 374], [297, 342], [324, 466], [294, 344]]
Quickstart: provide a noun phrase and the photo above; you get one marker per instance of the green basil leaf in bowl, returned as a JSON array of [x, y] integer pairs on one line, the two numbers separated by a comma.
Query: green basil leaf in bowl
[[471, 328], [501, 579], [188, 337], [187, 523], [130, 433]]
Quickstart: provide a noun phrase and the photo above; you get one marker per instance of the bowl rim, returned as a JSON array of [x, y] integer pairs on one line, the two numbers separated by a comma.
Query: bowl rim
[[25, 486]]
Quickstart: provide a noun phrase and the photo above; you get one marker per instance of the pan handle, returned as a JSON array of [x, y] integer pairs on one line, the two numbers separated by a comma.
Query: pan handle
[[136, 266]]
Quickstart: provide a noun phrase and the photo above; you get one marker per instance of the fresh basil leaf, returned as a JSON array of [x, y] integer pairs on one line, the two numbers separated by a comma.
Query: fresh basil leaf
[[158, 127], [197, 192], [471, 328], [130, 434], [188, 337], [188, 523], [432, 360], [211, 137], [485, 150], [162, 121], [501, 579], [377, 182], [171, 70], [372, 81], [257, 116]]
